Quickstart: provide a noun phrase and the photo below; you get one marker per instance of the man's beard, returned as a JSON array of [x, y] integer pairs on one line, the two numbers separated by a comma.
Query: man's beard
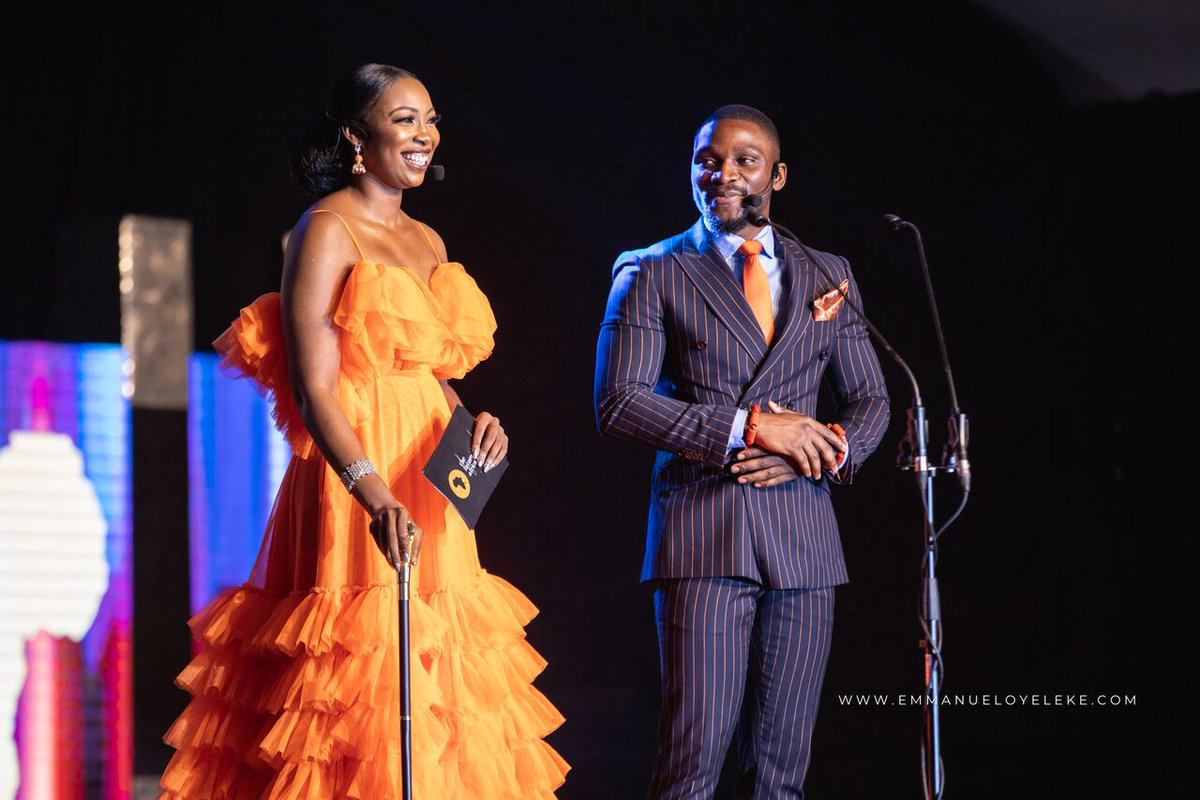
[[717, 225]]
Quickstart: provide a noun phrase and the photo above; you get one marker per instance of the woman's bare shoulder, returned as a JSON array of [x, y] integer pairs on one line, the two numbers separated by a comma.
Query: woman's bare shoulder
[[319, 246], [318, 233]]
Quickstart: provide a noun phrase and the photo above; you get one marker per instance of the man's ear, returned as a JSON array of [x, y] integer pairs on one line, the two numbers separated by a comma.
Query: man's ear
[[778, 176]]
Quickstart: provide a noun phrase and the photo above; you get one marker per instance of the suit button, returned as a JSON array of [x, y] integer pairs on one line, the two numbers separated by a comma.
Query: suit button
[[790, 406], [824, 354], [701, 345]]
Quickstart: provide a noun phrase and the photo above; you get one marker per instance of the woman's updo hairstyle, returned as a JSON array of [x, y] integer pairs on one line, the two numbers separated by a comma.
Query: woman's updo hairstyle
[[321, 158]]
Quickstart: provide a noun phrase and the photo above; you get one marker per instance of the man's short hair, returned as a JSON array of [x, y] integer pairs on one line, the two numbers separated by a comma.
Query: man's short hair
[[746, 114]]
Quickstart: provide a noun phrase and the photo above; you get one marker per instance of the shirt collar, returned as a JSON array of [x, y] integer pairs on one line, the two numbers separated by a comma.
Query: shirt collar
[[728, 243]]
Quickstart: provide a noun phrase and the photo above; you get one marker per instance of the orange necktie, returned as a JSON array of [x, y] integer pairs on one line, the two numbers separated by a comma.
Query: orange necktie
[[757, 287]]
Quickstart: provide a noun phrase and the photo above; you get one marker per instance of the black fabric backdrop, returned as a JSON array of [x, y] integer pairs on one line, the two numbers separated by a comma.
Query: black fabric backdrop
[[1061, 239]]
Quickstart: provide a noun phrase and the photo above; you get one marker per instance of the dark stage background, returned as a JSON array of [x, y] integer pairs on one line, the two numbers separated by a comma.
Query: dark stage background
[[1061, 236]]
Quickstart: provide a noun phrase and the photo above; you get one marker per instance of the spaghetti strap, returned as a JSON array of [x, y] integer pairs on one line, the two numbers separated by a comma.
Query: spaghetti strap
[[345, 225], [429, 241]]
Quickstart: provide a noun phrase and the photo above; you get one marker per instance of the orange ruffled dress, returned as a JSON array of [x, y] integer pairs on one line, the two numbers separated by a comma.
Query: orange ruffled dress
[[296, 687]]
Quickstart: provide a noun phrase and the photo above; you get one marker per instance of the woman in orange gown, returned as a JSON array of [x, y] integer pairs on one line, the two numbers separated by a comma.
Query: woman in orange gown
[[296, 688]]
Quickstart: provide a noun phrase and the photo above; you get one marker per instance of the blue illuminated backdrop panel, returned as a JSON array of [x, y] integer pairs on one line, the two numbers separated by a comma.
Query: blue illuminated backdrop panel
[[236, 462]]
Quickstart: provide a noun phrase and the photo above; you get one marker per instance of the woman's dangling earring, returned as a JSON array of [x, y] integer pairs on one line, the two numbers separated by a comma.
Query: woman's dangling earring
[[358, 168]]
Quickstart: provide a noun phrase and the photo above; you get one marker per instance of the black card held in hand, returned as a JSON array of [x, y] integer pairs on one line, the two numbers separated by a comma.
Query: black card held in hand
[[453, 470]]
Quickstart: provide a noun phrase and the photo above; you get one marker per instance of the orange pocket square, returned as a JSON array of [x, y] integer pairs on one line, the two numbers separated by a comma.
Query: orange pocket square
[[826, 306]]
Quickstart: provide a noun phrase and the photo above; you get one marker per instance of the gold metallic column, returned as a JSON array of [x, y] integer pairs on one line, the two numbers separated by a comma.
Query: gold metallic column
[[156, 309]]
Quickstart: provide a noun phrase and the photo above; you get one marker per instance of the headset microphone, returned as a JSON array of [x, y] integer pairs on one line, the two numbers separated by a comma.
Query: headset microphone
[[751, 204]]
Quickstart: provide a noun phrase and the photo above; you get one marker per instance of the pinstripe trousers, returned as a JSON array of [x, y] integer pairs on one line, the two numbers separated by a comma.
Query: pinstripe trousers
[[736, 657]]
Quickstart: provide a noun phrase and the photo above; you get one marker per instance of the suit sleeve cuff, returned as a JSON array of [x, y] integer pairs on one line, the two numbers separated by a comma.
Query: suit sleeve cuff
[[719, 428]]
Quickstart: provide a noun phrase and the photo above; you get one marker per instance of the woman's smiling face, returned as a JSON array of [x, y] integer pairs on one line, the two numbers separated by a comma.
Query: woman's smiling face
[[402, 125]]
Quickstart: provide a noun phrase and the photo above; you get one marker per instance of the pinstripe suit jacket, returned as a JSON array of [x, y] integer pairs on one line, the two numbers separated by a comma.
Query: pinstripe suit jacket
[[679, 352]]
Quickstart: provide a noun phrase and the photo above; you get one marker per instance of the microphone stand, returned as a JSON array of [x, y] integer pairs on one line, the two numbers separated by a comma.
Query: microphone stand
[[954, 459], [913, 455]]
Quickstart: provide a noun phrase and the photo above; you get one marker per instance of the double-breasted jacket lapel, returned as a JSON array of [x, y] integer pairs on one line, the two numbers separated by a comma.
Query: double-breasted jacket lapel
[[724, 295], [720, 289], [800, 282]]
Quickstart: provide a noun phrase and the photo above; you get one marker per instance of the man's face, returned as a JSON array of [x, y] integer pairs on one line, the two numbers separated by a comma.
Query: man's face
[[733, 158]]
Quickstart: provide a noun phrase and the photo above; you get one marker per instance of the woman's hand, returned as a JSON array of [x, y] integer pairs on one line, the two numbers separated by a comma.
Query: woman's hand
[[397, 534], [489, 442]]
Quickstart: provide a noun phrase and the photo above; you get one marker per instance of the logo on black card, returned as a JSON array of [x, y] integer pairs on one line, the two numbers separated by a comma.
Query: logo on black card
[[460, 484]]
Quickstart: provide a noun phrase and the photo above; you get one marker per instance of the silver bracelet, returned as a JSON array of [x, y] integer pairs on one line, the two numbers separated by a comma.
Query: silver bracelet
[[354, 472]]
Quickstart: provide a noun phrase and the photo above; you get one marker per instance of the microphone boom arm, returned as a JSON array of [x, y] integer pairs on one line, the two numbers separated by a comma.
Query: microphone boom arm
[[758, 218]]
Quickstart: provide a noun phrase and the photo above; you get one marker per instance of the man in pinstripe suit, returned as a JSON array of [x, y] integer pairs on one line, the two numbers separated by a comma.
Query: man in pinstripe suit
[[742, 545]]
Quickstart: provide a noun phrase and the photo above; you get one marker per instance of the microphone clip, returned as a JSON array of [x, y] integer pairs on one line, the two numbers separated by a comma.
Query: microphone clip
[[954, 453], [906, 449]]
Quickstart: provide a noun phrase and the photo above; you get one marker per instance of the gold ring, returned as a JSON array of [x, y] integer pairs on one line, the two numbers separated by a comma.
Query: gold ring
[[412, 529]]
